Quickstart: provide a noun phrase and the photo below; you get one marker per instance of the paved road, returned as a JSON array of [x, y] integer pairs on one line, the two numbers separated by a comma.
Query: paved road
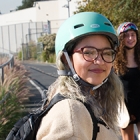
[[41, 76]]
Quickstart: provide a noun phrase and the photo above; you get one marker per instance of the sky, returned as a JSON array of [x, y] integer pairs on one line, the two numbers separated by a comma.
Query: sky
[[7, 5]]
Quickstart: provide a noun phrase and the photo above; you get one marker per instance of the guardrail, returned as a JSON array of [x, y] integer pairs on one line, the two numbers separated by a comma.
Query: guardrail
[[9, 62]]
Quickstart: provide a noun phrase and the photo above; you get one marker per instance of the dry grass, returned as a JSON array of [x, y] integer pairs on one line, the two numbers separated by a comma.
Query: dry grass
[[3, 60], [14, 85], [15, 79]]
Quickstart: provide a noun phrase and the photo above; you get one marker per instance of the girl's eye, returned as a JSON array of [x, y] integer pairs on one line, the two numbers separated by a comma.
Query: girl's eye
[[107, 53], [89, 52]]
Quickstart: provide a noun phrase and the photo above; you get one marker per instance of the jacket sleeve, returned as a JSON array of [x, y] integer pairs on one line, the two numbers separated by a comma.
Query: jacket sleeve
[[123, 118], [67, 120]]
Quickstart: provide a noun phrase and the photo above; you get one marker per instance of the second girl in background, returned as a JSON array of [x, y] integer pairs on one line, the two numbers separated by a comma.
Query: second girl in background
[[127, 66]]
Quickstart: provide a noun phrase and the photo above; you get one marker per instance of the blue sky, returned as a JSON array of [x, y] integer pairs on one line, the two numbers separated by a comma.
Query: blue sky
[[7, 5]]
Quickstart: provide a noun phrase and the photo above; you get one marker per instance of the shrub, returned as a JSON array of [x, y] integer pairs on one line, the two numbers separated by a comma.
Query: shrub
[[32, 50], [52, 58], [44, 56], [44, 50], [48, 47], [20, 55], [12, 93]]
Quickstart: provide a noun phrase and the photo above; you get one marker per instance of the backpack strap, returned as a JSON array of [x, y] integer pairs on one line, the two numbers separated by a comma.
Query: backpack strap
[[58, 97], [94, 120]]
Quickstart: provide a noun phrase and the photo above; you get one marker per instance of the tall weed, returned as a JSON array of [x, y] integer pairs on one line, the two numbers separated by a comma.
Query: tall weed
[[12, 93]]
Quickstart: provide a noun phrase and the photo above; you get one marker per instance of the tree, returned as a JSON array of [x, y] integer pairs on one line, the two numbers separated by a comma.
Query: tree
[[26, 4], [116, 11]]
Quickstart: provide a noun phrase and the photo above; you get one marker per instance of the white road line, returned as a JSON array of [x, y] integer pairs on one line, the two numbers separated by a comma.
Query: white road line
[[53, 65], [39, 89]]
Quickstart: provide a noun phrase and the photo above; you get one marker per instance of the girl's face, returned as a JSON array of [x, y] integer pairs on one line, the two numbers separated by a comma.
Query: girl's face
[[98, 70], [130, 38]]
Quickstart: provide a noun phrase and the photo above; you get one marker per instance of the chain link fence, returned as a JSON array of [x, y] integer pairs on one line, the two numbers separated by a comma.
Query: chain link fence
[[12, 37], [32, 51]]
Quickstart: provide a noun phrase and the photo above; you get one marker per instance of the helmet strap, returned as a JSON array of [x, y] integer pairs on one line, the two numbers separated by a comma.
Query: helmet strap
[[75, 76], [68, 73], [100, 84]]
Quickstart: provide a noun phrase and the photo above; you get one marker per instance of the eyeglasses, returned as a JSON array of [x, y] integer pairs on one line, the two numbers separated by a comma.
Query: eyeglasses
[[128, 26], [91, 53]]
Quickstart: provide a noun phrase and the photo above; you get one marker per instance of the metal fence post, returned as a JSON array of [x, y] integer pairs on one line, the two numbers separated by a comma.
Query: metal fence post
[[2, 76], [9, 63], [12, 62]]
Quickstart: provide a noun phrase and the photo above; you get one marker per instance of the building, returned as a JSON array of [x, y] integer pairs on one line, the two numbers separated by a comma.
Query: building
[[18, 27]]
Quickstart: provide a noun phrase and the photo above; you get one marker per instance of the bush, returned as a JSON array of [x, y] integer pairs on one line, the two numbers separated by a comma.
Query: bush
[[52, 58], [44, 50], [32, 50], [12, 93], [44, 56], [20, 55], [48, 47]]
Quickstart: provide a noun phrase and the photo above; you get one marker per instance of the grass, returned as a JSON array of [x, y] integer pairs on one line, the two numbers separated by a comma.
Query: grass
[[15, 89]]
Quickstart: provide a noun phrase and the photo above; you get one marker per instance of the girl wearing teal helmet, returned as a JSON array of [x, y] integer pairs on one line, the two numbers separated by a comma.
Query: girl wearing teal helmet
[[85, 49], [127, 66]]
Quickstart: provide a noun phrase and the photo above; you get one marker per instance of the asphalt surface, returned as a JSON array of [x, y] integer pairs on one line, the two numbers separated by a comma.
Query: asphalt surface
[[42, 75]]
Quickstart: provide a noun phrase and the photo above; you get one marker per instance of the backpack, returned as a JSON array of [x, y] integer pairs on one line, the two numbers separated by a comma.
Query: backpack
[[27, 127]]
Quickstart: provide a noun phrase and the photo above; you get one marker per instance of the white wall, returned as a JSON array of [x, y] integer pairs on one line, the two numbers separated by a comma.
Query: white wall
[[41, 11], [20, 16], [55, 9], [47, 10], [17, 24]]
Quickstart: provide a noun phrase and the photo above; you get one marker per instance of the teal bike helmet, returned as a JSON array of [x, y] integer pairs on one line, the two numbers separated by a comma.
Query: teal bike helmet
[[77, 26], [82, 24], [124, 27]]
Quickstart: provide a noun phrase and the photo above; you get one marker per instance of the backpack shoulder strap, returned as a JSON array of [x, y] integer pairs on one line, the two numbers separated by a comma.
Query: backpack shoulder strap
[[94, 120], [27, 127], [58, 97]]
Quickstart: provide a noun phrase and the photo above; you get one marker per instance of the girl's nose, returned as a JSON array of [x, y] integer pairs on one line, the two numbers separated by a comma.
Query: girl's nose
[[130, 37], [99, 60]]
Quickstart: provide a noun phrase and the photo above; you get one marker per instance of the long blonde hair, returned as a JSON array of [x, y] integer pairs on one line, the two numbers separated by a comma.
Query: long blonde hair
[[105, 100]]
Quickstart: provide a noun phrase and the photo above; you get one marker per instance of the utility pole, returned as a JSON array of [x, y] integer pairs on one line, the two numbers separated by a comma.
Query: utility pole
[[68, 6]]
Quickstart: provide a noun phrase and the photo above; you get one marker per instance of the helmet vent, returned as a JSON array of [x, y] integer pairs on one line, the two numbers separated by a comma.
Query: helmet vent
[[108, 24], [79, 25]]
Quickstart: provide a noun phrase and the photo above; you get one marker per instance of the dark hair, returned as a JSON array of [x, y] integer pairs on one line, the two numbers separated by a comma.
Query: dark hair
[[121, 58], [73, 44]]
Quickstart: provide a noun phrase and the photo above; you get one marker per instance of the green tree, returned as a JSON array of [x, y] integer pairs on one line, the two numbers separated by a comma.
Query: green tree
[[116, 11], [26, 4]]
